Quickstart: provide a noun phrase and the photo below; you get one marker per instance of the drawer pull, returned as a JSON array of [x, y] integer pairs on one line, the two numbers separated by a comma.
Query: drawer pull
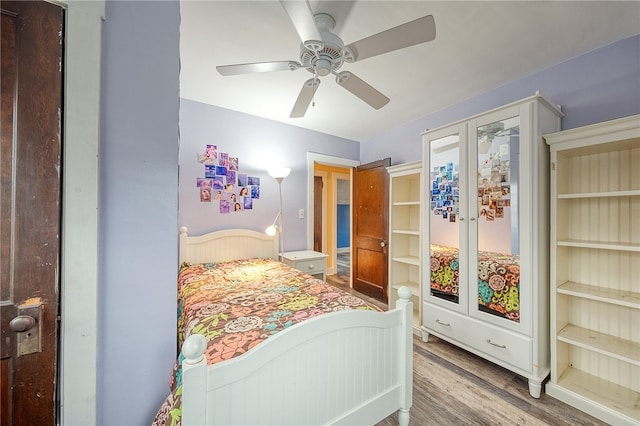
[[310, 266], [446, 324], [496, 345]]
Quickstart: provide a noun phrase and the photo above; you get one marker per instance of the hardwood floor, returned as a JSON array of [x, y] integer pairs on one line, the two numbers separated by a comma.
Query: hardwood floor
[[454, 387]]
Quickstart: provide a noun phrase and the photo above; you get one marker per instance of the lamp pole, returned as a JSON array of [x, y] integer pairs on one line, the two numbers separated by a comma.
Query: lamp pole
[[279, 174], [279, 179]]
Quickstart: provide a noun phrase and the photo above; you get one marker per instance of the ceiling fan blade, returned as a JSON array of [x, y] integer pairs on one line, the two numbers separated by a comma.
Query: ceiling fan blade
[[302, 18], [258, 67], [304, 98], [415, 32], [361, 89]]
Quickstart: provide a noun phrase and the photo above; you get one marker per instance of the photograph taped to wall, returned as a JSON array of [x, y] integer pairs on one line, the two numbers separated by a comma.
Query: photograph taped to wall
[[222, 182]]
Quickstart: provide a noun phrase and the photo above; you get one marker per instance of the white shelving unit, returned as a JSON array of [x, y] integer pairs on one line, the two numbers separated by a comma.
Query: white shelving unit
[[486, 235], [404, 233], [595, 269]]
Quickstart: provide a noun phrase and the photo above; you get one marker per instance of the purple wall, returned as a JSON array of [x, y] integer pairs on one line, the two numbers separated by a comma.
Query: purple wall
[[258, 143], [138, 210], [598, 86]]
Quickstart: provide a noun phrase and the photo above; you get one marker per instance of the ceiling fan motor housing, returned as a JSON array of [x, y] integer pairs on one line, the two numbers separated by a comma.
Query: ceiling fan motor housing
[[330, 58]]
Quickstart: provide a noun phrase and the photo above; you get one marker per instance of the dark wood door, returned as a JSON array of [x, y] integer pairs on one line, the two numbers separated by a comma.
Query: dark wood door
[[30, 170], [371, 229], [317, 213]]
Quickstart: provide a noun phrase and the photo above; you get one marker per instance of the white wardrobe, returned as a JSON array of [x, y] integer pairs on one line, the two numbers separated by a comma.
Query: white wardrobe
[[485, 250]]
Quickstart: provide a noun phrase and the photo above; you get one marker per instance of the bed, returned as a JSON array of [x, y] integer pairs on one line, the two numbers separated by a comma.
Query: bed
[[265, 344], [498, 280]]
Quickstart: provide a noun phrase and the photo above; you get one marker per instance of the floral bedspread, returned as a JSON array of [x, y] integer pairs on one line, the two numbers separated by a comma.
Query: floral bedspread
[[237, 305], [498, 279]]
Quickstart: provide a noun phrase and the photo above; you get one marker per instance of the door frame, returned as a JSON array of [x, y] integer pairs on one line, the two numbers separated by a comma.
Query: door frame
[[334, 204], [77, 384], [330, 160]]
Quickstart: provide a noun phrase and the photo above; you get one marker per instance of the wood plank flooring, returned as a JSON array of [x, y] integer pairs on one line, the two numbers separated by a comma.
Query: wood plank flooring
[[454, 387]]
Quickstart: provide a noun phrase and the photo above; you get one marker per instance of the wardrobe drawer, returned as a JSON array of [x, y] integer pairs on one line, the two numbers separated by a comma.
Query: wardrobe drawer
[[480, 337], [445, 322], [505, 345]]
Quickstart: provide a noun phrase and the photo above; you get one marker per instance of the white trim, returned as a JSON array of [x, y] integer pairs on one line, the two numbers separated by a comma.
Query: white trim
[[334, 228], [313, 158], [324, 175], [79, 278]]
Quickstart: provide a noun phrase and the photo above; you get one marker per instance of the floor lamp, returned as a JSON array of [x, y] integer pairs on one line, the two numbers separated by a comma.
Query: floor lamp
[[278, 175]]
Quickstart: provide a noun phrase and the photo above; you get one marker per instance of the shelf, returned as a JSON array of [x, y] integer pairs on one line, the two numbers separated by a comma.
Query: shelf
[[406, 231], [614, 347], [622, 401], [414, 287], [594, 207], [406, 203], [410, 260], [600, 245], [629, 299], [611, 194]]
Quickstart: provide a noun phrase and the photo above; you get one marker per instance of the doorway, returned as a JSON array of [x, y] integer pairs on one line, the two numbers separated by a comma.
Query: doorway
[[335, 173], [343, 227]]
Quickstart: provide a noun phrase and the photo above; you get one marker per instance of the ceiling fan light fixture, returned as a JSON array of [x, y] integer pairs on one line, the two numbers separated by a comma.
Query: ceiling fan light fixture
[[323, 67]]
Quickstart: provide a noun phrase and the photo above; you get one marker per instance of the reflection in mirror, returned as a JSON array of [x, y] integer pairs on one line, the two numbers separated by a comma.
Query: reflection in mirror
[[444, 212], [498, 242]]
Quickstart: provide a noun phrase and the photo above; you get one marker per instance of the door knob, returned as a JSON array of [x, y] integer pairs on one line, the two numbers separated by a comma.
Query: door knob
[[22, 323], [383, 244]]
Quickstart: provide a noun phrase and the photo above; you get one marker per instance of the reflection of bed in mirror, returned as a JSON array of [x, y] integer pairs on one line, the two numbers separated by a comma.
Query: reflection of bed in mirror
[[498, 280]]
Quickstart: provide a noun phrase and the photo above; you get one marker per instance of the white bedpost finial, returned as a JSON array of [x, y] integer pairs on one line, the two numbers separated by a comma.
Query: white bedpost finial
[[193, 348], [183, 230], [404, 293]]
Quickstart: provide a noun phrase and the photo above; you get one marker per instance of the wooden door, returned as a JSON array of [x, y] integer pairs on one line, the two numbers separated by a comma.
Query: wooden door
[[371, 229], [30, 169], [317, 214]]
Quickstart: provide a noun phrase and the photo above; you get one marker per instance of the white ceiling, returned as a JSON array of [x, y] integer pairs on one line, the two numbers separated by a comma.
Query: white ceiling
[[479, 45]]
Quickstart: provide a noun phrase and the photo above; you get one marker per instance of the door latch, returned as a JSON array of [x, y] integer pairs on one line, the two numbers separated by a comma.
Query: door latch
[[28, 329]]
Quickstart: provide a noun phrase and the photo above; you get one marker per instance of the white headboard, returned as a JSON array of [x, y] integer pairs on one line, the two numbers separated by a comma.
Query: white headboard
[[225, 245]]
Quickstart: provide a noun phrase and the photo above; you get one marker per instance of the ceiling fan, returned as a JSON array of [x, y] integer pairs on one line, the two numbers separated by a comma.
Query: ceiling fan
[[323, 53]]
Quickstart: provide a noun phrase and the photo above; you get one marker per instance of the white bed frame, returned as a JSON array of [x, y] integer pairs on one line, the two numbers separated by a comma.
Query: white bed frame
[[343, 368]]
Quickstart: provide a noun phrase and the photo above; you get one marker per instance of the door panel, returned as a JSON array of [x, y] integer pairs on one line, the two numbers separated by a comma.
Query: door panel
[[30, 152], [371, 229], [317, 214]]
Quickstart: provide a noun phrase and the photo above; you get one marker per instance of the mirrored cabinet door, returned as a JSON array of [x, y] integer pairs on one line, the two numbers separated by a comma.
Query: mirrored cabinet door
[[445, 187], [496, 240]]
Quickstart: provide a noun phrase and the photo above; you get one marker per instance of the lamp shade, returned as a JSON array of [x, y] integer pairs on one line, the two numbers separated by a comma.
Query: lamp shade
[[280, 172], [271, 230]]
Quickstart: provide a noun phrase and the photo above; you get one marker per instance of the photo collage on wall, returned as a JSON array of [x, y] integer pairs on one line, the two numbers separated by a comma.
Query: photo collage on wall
[[223, 182], [494, 188], [445, 191]]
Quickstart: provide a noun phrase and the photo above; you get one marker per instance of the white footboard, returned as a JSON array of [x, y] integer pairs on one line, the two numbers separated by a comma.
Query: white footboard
[[350, 368]]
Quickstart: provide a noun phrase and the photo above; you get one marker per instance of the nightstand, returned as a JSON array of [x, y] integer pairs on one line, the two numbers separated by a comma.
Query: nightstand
[[308, 261]]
